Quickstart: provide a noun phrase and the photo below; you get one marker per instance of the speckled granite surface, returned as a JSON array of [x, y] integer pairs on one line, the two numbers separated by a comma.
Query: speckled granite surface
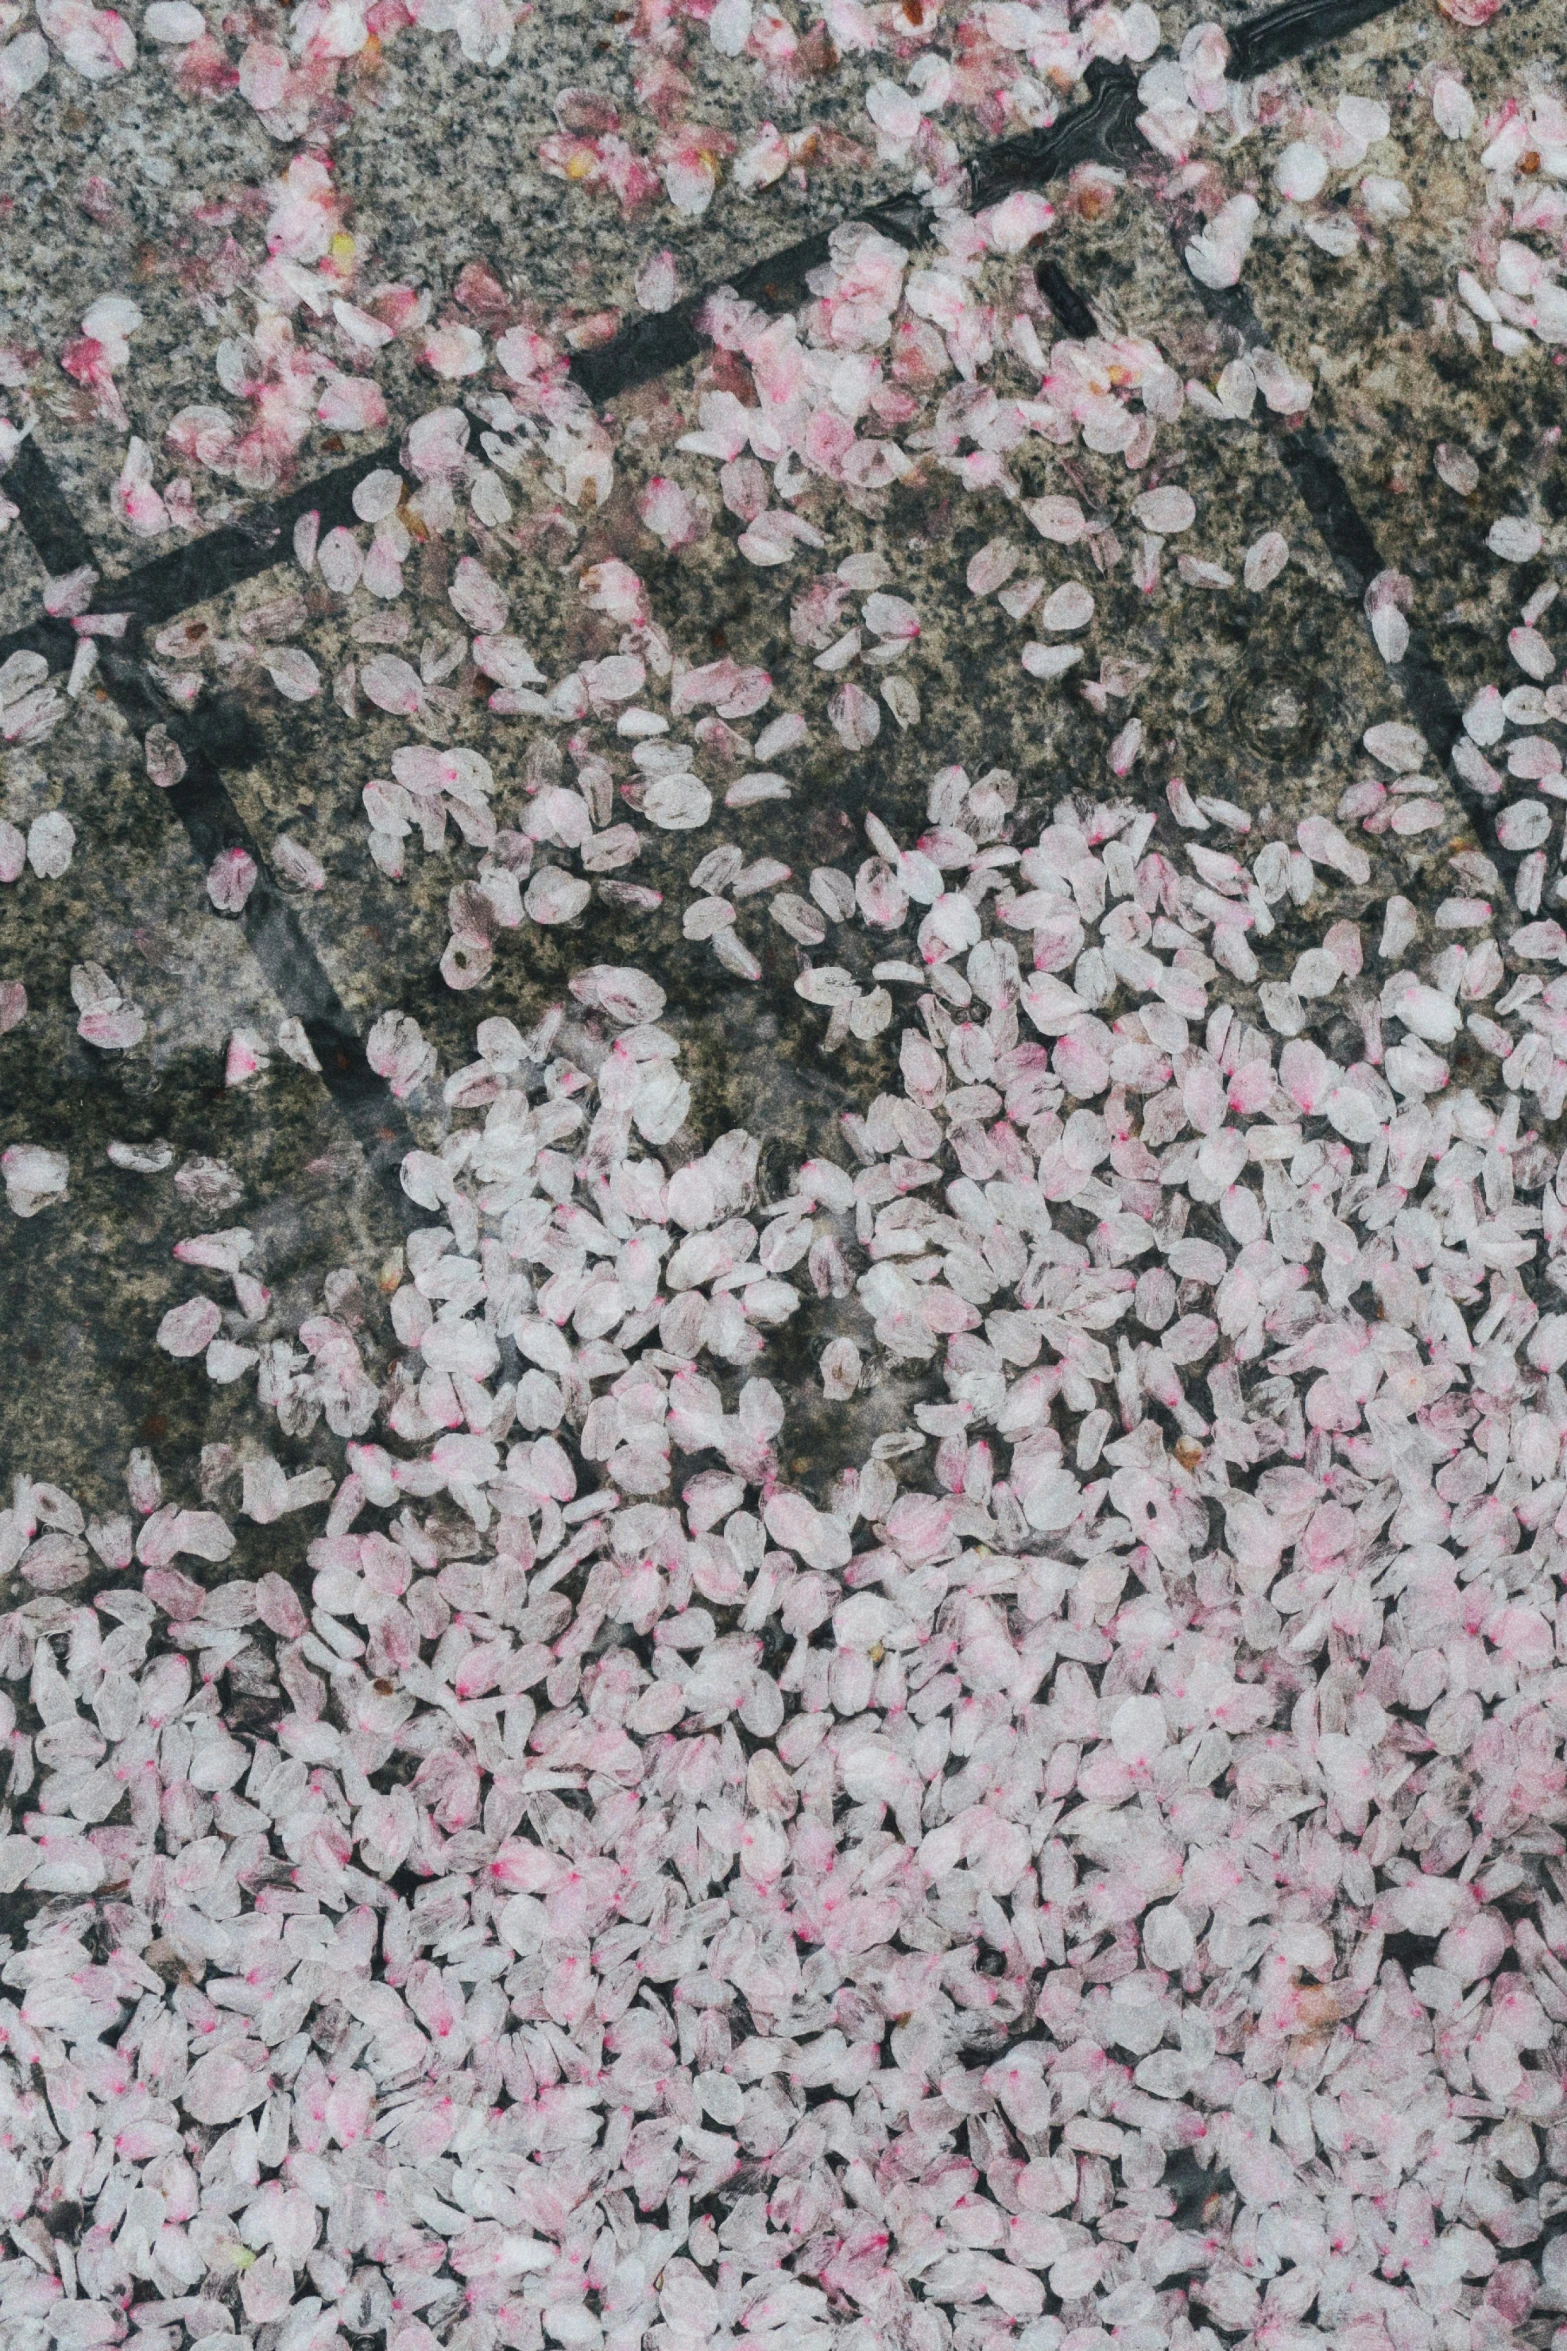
[[438, 167]]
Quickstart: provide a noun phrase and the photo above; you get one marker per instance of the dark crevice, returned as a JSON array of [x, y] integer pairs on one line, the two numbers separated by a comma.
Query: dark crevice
[[1261, 44], [1304, 452], [1065, 300], [203, 805], [662, 340], [242, 551], [61, 543]]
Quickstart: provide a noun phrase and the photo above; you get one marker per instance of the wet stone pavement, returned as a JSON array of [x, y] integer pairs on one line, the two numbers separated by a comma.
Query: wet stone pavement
[[1176, 557], [1257, 700]]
